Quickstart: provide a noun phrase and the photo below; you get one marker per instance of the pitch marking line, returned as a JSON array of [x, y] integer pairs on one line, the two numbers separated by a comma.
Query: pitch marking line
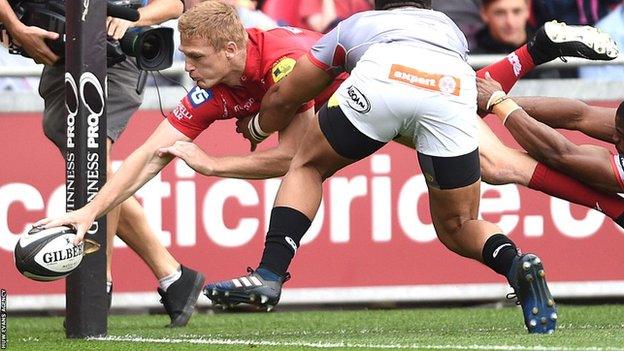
[[330, 345]]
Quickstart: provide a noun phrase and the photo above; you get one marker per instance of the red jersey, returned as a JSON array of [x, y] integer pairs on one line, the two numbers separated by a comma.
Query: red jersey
[[271, 55]]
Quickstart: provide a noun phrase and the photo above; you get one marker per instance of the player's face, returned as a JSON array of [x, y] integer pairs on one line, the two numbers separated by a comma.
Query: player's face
[[507, 20], [204, 64]]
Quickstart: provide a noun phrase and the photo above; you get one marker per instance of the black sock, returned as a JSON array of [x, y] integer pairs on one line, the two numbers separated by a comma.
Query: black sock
[[286, 228], [499, 252]]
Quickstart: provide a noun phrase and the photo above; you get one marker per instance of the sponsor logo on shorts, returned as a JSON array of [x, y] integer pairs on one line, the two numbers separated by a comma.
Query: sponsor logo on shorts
[[515, 63], [357, 100], [443, 83], [198, 96], [282, 68], [181, 112]]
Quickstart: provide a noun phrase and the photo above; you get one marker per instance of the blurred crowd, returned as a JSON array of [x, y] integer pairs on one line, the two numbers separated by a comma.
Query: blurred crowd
[[491, 26]]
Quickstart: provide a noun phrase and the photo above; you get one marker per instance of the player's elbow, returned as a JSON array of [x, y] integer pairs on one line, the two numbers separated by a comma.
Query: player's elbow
[[559, 152], [579, 117]]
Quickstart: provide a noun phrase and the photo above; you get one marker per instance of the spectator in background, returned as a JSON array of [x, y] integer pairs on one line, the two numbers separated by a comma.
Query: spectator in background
[[586, 12], [465, 13], [324, 15], [506, 26], [613, 24], [284, 12], [506, 29]]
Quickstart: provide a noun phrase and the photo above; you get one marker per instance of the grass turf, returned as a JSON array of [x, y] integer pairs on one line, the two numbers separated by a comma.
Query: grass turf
[[580, 328]]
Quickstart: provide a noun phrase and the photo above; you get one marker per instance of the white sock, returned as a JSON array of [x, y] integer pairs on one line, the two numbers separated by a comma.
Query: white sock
[[109, 287], [170, 279]]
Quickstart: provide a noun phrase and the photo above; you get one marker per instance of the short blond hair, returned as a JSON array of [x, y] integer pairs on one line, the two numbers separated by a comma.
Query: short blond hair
[[214, 21]]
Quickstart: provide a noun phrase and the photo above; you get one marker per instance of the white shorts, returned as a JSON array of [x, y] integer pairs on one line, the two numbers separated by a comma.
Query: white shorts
[[427, 95]]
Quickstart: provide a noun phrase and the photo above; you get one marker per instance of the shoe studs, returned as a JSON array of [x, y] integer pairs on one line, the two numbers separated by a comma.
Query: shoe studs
[[551, 303], [535, 310], [214, 292], [526, 266], [537, 261], [541, 273], [269, 308], [252, 298], [533, 323], [543, 321], [529, 278], [553, 316], [226, 293], [263, 299]]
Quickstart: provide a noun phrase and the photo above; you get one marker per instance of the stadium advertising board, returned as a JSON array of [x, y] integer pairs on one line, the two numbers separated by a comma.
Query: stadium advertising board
[[373, 240]]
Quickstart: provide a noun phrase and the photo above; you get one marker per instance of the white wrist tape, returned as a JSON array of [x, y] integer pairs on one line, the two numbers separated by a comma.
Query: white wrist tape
[[504, 109], [496, 98], [255, 131]]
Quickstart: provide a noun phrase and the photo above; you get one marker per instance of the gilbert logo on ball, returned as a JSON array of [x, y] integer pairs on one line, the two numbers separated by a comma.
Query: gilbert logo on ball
[[49, 254]]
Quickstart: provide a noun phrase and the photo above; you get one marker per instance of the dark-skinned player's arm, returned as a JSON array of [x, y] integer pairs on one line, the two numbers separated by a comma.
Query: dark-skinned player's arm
[[594, 121], [588, 163], [282, 100]]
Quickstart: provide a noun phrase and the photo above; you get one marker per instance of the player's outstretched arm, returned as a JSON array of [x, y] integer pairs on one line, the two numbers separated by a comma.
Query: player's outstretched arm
[[270, 163], [588, 163], [142, 165], [594, 121]]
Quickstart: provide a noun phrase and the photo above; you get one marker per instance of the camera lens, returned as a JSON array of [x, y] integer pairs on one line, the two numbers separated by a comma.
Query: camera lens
[[151, 46]]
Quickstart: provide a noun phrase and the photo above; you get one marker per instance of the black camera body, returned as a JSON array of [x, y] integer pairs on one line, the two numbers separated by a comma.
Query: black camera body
[[151, 46]]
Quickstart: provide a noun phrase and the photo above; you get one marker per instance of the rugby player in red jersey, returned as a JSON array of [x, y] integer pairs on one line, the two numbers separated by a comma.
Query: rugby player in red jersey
[[233, 69], [593, 165]]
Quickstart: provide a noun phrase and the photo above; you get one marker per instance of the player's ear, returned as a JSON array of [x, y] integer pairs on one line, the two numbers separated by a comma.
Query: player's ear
[[231, 48]]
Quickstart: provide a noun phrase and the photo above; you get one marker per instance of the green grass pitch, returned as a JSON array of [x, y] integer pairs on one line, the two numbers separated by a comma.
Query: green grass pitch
[[580, 328]]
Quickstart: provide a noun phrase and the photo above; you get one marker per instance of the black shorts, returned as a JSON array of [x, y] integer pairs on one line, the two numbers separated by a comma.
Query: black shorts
[[451, 172], [343, 137]]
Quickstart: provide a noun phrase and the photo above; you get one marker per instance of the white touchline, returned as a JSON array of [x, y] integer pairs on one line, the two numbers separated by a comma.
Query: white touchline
[[354, 345]]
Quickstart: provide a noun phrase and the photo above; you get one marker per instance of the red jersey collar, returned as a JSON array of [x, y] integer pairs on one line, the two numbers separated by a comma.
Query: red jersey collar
[[253, 65]]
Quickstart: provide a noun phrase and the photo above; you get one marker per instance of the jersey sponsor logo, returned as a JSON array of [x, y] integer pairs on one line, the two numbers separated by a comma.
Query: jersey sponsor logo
[[181, 112], [515, 63], [443, 83], [282, 68], [357, 100], [198, 96]]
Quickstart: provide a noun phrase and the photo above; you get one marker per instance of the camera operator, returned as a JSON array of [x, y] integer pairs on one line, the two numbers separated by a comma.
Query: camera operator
[[176, 283], [31, 39]]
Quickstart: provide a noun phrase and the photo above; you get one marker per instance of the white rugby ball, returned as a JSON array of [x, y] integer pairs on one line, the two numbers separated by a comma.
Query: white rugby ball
[[47, 254]]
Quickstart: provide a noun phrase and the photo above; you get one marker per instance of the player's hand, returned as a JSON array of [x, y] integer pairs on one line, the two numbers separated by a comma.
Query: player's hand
[[81, 220], [242, 127], [117, 27], [192, 154], [31, 39], [485, 88]]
